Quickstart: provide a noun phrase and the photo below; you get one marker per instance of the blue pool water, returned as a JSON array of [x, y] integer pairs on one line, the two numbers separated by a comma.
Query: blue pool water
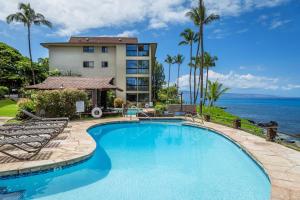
[[133, 111], [152, 161]]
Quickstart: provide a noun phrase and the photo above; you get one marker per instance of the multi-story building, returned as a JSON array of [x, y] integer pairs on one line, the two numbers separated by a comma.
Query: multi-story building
[[125, 59]]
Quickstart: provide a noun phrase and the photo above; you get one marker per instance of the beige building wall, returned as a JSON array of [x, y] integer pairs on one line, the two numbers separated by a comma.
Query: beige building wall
[[70, 59]]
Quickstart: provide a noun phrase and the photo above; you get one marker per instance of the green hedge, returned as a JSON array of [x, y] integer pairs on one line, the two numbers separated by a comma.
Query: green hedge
[[59, 103], [3, 91], [25, 104]]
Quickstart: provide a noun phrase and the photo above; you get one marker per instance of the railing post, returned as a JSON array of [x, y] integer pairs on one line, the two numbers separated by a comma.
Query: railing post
[[237, 123], [272, 131], [206, 117]]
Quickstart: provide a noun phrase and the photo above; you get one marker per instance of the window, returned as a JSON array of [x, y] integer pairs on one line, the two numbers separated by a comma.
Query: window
[[143, 50], [134, 84], [143, 84], [131, 50], [104, 49], [104, 64], [131, 66], [143, 97], [88, 64], [137, 66], [88, 49], [137, 50], [131, 97], [143, 67], [131, 84], [134, 97]]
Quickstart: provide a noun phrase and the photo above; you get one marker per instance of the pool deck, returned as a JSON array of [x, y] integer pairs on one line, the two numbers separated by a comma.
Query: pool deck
[[282, 164]]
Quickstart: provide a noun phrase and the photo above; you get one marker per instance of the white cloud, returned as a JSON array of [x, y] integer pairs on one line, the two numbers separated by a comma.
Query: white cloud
[[78, 16], [131, 33], [252, 68], [276, 23], [237, 81], [236, 7], [127, 33], [291, 86], [242, 31]]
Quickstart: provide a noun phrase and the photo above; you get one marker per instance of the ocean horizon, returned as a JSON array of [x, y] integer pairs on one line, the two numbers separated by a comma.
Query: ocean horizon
[[263, 108]]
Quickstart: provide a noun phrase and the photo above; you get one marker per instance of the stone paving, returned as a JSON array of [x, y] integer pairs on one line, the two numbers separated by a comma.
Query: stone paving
[[281, 163], [4, 119]]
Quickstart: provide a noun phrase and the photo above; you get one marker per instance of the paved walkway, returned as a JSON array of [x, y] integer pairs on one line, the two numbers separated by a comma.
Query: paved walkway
[[4, 119], [281, 163]]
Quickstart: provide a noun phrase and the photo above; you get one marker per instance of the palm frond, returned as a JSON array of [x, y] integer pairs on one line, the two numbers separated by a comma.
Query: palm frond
[[194, 15], [169, 59], [40, 19], [183, 43], [211, 18], [17, 17]]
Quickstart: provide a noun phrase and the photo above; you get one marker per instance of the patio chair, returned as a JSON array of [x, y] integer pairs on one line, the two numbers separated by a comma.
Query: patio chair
[[31, 149], [50, 133], [35, 117], [30, 126]]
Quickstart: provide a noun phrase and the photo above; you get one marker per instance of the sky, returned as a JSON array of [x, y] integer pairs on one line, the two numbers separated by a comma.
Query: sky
[[257, 42]]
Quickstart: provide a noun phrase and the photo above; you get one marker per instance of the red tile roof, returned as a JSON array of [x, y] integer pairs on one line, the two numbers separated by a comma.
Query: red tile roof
[[64, 82], [102, 40]]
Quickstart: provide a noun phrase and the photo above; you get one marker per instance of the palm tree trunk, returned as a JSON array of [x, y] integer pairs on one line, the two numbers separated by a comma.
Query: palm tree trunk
[[206, 85], [178, 72], [30, 55], [169, 81], [201, 69], [195, 84], [198, 48], [198, 84], [169, 75], [190, 77]]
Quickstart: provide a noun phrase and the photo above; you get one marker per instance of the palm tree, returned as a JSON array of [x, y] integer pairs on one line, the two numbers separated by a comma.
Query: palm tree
[[178, 60], [209, 61], [28, 17], [196, 65], [215, 90], [189, 37], [169, 60], [199, 17]]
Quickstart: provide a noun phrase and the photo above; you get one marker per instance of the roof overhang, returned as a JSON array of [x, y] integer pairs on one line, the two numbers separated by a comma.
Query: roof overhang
[[81, 83]]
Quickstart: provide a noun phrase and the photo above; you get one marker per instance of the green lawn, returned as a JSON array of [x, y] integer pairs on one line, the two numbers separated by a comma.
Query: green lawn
[[8, 108], [220, 116]]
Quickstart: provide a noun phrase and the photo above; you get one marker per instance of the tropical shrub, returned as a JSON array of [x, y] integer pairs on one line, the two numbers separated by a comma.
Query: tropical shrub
[[118, 102], [160, 108], [59, 103], [215, 90], [25, 104], [3, 91], [110, 96], [168, 95]]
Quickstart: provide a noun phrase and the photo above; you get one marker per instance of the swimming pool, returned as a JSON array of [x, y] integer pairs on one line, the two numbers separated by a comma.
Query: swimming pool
[[152, 161]]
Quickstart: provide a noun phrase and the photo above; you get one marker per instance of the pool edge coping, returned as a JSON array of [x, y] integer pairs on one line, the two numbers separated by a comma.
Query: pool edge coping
[[281, 188]]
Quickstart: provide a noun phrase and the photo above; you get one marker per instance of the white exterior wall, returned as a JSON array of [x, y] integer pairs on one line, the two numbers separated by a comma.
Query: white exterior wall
[[70, 58]]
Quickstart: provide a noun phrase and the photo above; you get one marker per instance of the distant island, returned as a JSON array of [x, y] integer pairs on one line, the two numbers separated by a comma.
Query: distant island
[[238, 95]]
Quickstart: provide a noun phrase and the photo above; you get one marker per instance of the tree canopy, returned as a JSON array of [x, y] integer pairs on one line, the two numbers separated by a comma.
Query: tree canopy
[[15, 70]]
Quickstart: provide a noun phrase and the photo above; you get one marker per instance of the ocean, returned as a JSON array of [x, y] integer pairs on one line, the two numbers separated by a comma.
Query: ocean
[[285, 111]]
